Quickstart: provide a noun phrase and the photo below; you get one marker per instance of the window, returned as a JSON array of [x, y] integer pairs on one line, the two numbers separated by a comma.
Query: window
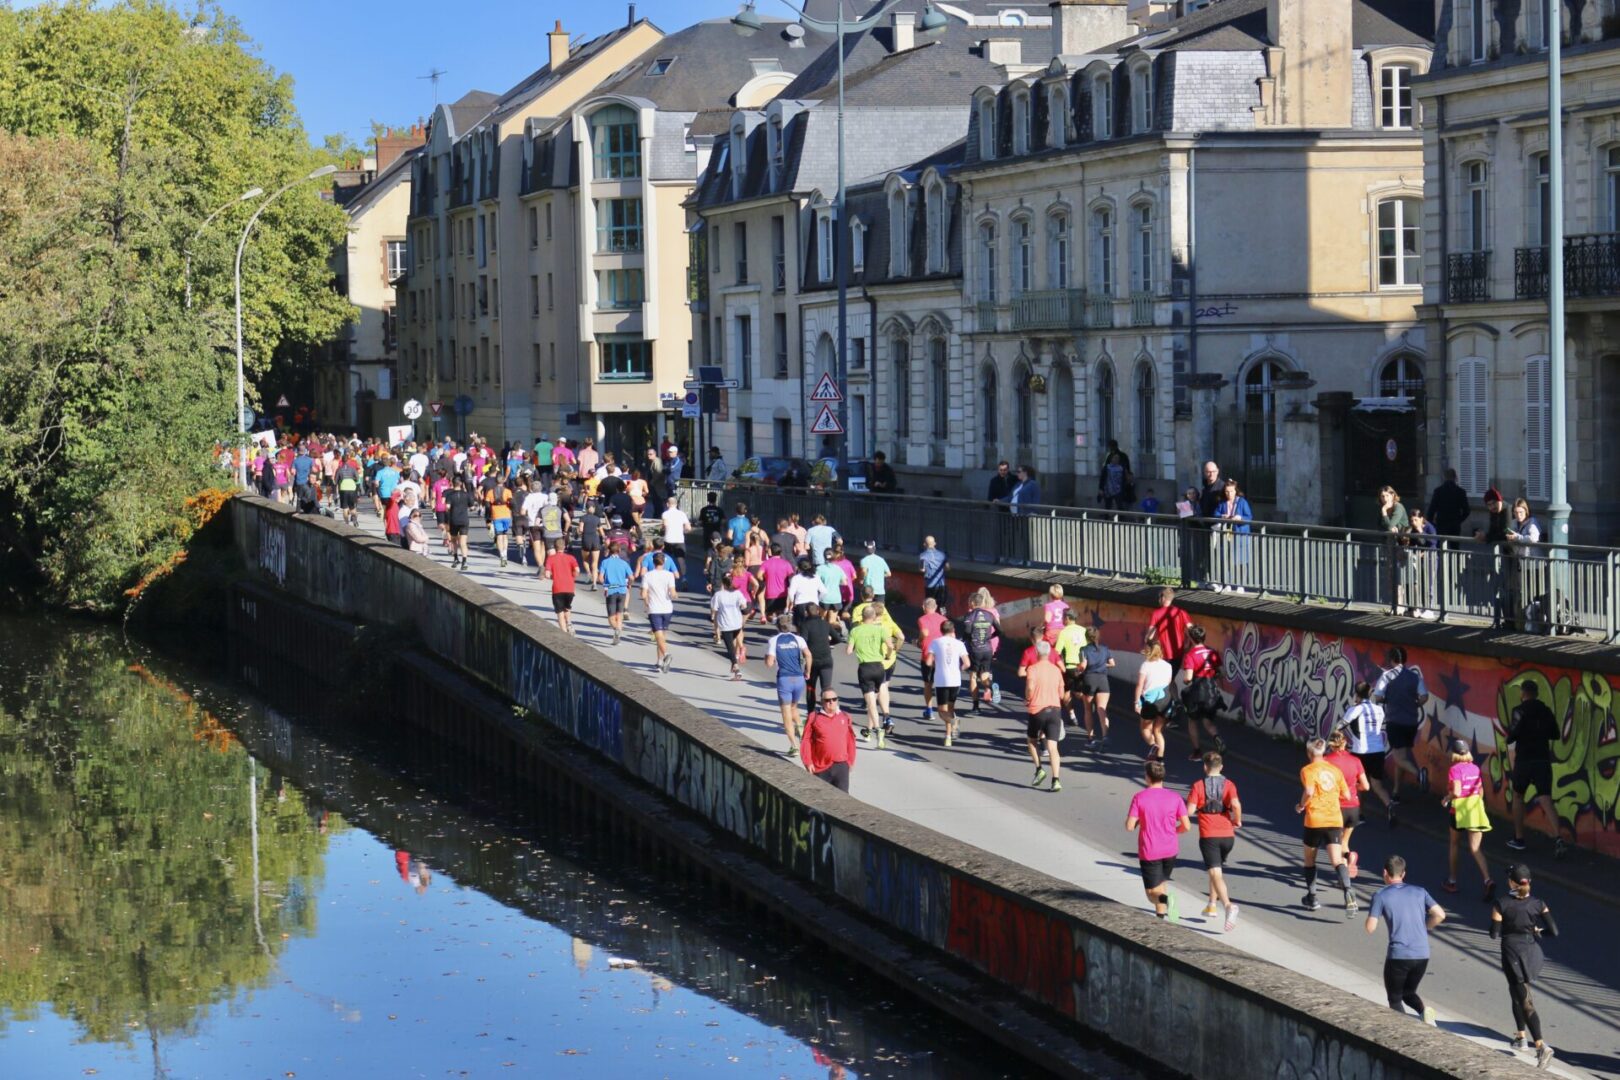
[[1473, 425], [390, 329], [745, 351], [900, 354], [551, 294], [396, 259], [739, 235], [824, 246], [1102, 252], [534, 359], [987, 263], [548, 221], [1535, 24], [1142, 265], [1102, 107], [1142, 98], [857, 358], [1145, 435], [1538, 428], [940, 376], [784, 436], [897, 234], [494, 233], [935, 213], [1021, 123], [778, 253], [987, 128], [1475, 212], [551, 361], [619, 289], [1024, 258], [615, 149], [483, 294], [618, 225], [1402, 376], [483, 241], [1024, 414], [1400, 242], [1057, 262], [988, 401], [857, 246], [780, 328], [1260, 428], [660, 65], [745, 439], [534, 294], [1395, 96], [625, 359], [1105, 427], [534, 226], [496, 350], [1057, 116], [1540, 217], [1479, 28], [1611, 188]]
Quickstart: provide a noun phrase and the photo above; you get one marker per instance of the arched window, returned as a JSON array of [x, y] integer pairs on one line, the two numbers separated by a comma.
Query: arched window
[[1400, 242], [1146, 435], [1102, 252], [1057, 260], [900, 353], [1021, 122], [1105, 426], [1102, 107], [1023, 257], [1025, 400], [940, 376], [989, 402], [1260, 429], [936, 228], [1402, 376], [1538, 432], [898, 246], [616, 149], [1142, 257], [987, 128], [1057, 115], [987, 262], [1142, 98]]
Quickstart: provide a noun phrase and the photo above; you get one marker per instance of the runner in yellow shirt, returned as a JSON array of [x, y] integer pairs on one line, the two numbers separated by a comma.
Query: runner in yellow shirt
[[873, 646], [1070, 640]]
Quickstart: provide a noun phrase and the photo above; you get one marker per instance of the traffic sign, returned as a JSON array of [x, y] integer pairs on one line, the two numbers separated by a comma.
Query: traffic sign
[[826, 423], [249, 418], [282, 402], [691, 398], [723, 384], [436, 406], [690, 411], [413, 409], [463, 405], [826, 390]]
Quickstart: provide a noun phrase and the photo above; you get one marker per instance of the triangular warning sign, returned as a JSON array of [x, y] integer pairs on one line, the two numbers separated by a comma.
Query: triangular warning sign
[[826, 389], [282, 402], [826, 423]]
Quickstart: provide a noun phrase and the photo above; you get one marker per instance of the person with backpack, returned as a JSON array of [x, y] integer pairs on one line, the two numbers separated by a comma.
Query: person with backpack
[[1402, 693], [981, 630], [1200, 695], [553, 522], [498, 504], [1213, 803]]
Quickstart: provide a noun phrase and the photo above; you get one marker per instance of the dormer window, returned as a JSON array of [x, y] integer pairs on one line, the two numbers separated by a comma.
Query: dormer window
[[1102, 106], [987, 128], [660, 66], [936, 227], [775, 134], [1021, 123], [1142, 98], [1057, 116], [857, 245], [899, 264], [738, 158]]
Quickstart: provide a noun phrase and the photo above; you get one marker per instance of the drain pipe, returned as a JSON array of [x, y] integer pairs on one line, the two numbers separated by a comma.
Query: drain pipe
[[1443, 346], [1192, 261]]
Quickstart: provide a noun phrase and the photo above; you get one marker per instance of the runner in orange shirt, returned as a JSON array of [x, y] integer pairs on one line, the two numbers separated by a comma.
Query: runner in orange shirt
[[1043, 698], [1324, 792]]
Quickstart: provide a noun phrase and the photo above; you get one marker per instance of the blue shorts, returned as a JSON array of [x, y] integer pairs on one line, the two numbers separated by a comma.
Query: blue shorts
[[502, 526], [659, 622], [789, 689]]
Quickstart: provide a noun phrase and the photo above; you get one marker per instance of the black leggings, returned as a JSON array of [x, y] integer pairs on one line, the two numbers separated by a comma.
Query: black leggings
[[821, 678], [1401, 978], [730, 638], [1525, 1017]]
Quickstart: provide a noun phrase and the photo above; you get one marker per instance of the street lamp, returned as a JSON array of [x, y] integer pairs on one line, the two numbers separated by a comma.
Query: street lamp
[[250, 193], [748, 23], [1558, 505], [241, 380]]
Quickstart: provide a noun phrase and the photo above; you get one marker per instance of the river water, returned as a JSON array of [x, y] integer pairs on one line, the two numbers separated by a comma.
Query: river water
[[195, 884]]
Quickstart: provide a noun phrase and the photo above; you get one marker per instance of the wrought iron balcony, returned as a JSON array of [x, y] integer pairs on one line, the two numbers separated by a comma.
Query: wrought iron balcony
[[1049, 309], [1592, 265], [1530, 273], [1468, 277]]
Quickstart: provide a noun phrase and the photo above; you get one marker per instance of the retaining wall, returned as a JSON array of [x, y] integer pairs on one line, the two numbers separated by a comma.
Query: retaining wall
[[1190, 1003]]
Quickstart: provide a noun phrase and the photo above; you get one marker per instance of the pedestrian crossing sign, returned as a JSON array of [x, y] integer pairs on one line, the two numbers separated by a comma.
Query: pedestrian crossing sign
[[826, 389], [826, 423]]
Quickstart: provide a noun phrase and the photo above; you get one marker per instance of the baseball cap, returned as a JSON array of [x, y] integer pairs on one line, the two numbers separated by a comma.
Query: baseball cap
[[1518, 872], [871, 545], [1460, 746], [672, 451]]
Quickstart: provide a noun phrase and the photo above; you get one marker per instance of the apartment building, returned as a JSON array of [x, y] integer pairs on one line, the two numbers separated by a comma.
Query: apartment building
[[468, 264], [1487, 231], [1199, 239]]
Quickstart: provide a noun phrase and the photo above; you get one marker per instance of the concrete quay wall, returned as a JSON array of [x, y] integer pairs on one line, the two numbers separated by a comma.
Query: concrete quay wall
[[1191, 1004]]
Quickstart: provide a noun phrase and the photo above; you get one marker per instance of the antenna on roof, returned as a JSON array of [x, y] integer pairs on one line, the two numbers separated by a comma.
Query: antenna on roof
[[433, 76]]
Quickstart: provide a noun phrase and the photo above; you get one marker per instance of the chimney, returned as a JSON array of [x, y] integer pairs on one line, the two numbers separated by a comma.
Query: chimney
[[905, 30], [630, 20], [1311, 62], [1084, 26], [396, 141], [1003, 51], [557, 41]]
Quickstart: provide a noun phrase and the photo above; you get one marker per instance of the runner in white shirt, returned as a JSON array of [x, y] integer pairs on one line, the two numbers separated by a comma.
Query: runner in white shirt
[[676, 524], [533, 503], [658, 594], [419, 462], [730, 608], [950, 659]]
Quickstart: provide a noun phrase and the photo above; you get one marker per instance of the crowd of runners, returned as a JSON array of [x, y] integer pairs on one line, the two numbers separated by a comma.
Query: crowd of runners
[[579, 518]]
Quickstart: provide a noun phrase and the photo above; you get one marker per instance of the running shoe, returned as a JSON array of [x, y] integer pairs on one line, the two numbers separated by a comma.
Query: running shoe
[[888, 724], [1220, 745], [615, 635], [1172, 910], [663, 665], [1516, 844], [1519, 1043], [928, 713], [1390, 815], [1195, 756], [1311, 902], [1231, 918], [1450, 885], [1350, 905], [1211, 911], [1428, 1016], [883, 739], [995, 694], [871, 738], [1040, 774], [1490, 889], [503, 564], [1056, 784], [1544, 1056], [947, 740]]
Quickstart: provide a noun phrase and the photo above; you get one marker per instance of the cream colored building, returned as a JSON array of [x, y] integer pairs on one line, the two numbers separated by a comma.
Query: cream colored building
[[1486, 232]]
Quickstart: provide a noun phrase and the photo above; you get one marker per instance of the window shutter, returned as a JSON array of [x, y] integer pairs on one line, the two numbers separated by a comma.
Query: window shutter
[[1538, 427], [1473, 390]]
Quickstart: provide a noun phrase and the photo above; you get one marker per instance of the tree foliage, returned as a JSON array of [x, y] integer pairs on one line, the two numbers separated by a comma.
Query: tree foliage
[[122, 128]]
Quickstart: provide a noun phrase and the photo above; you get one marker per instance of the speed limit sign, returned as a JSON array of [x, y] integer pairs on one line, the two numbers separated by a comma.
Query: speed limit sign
[[413, 409]]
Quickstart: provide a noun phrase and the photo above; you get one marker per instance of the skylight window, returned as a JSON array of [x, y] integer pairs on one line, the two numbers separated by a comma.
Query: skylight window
[[660, 65], [763, 66]]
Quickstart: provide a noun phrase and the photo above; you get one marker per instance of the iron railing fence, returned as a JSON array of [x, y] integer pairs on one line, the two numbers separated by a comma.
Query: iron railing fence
[[1540, 587]]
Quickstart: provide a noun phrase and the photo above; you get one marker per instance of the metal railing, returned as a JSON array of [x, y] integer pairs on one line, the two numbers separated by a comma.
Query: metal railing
[[1049, 309], [1100, 311], [1592, 265], [1540, 588], [984, 316], [1141, 309], [1468, 277], [1530, 273]]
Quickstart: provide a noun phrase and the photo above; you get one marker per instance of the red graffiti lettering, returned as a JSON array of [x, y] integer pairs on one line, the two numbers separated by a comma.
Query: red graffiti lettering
[[1026, 947]]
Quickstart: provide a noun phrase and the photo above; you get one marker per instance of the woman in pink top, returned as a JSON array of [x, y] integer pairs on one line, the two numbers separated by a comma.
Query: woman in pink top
[[847, 589], [743, 582], [1466, 798], [1052, 612], [441, 512], [773, 577], [1158, 817]]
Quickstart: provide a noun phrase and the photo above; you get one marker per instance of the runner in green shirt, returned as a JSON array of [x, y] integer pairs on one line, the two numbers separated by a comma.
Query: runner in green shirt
[[872, 645]]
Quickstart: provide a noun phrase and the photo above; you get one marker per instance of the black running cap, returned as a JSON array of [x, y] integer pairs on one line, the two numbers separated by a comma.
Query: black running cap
[[1518, 872], [1460, 746]]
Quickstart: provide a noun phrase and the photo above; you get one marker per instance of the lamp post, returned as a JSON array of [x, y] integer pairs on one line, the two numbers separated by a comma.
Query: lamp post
[[748, 23], [1558, 505], [241, 379], [250, 193]]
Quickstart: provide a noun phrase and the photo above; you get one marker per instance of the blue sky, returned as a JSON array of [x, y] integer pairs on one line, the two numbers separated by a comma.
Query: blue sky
[[356, 61]]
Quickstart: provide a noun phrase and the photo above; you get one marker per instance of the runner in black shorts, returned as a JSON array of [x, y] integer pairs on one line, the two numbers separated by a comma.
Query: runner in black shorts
[[870, 677], [1046, 724]]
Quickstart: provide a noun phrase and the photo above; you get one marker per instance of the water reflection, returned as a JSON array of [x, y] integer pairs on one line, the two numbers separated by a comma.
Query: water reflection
[[220, 890]]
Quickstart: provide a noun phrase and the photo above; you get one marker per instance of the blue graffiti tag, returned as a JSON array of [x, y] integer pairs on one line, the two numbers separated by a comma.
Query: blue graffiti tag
[[561, 696]]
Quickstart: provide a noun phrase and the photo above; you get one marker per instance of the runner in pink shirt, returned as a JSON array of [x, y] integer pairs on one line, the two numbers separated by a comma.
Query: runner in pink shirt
[[1052, 612], [1158, 817], [928, 624], [774, 574]]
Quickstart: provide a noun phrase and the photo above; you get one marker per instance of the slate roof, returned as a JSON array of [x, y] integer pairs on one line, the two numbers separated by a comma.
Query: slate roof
[[871, 49], [383, 180], [544, 78], [1240, 25], [711, 61], [468, 109]]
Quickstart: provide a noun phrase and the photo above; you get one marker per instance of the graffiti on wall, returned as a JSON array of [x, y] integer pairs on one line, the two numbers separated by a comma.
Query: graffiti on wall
[[273, 549], [561, 695], [1029, 947], [1586, 759], [1293, 681]]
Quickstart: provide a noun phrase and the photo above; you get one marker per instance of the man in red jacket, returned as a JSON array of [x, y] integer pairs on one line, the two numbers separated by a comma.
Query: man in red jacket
[[828, 745]]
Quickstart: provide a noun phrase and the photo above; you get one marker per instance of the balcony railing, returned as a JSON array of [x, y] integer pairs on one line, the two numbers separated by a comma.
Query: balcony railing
[[1141, 309], [1100, 311], [1468, 277], [779, 273], [1592, 265], [985, 316], [1530, 273], [1049, 309]]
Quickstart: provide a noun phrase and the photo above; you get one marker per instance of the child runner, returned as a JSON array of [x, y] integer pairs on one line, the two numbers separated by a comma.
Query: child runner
[[1157, 816], [1215, 800]]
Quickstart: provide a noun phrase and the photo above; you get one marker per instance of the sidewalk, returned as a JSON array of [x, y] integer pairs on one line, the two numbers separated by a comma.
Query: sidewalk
[[978, 792]]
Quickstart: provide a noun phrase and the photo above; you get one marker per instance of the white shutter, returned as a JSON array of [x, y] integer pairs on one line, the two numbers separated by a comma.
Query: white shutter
[[1538, 428], [1473, 430]]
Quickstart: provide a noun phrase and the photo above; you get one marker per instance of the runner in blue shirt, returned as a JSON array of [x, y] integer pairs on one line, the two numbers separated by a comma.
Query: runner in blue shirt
[[1411, 913], [737, 528], [875, 572], [614, 577], [387, 480], [933, 564]]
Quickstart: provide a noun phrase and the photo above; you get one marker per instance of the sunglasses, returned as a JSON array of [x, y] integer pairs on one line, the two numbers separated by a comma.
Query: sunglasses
[[827, 700]]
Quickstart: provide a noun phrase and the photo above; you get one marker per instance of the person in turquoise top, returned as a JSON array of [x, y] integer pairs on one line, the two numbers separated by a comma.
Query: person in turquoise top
[[875, 572], [832, 584]]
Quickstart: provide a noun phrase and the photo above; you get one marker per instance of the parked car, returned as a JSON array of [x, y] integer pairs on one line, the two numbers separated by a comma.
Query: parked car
[[768, 470]]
